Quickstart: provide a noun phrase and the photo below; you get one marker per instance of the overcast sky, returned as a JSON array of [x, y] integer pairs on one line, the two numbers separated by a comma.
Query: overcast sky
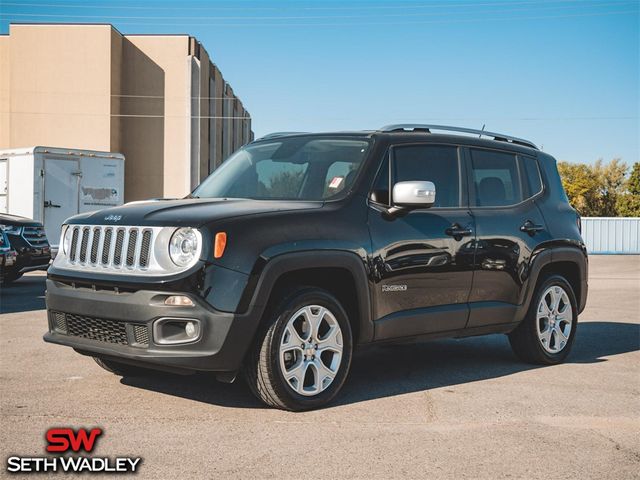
[[563, 73]]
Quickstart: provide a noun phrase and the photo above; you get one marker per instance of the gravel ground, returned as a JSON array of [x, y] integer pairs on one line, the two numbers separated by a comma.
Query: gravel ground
[[443, 409]]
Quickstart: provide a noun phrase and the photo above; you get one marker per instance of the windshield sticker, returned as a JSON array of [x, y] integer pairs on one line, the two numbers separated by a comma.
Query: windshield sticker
[[335, 183]]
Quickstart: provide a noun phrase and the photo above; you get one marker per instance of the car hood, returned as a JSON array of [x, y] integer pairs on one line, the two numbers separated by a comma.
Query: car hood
[[8, 219], [193, 212]]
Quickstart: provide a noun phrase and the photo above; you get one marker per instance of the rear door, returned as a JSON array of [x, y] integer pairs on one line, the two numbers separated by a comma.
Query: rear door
[[422, 260], [503, 187], [60, 194]]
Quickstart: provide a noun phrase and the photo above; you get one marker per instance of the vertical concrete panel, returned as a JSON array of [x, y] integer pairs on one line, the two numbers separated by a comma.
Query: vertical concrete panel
[[60, 86], [205, 73], [5, 88], [142, 125], [171, 54]]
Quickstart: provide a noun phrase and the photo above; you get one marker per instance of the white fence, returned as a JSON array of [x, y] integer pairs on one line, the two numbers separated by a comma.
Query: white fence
[[609, 235]]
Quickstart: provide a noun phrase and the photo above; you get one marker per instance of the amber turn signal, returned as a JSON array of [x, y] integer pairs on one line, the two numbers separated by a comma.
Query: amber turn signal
[[219, 244]]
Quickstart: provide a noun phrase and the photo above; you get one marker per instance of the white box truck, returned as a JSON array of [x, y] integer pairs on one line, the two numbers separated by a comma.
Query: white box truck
[[51, 184]]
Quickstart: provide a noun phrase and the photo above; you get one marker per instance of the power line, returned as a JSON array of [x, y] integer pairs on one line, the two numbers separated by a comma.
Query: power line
[[297, 7], [425, 22], [309, 17]]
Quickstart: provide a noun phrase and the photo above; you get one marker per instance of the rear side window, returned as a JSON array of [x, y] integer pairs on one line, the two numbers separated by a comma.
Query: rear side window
[[496, 178], [435, 163]]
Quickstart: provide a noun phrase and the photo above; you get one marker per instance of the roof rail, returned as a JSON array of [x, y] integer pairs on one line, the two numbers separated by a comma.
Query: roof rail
[[279, 134], [483, 133]]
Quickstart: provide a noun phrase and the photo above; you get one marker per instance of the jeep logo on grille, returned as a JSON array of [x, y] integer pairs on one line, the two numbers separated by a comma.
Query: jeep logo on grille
[[113, 218]]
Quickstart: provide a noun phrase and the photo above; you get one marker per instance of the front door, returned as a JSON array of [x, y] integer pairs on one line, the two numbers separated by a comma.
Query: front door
[[60, 194], [509, 226], [422, 262]]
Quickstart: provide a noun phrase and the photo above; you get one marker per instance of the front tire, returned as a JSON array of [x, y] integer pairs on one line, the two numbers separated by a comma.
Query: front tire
[[302, 355], [546, 334]]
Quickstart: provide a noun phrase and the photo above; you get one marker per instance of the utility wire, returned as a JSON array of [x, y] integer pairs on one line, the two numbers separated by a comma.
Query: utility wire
[[367, 7], [355, 24], [312, 17]]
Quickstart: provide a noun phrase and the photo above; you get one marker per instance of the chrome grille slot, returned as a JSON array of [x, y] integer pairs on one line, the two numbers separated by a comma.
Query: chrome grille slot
[[131, 247], [95, 242], [74, 244], [83, 244], [144, 249], [106, 245], [117, 252]]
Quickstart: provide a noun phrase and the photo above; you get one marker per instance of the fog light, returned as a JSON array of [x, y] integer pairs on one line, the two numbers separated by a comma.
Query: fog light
[[191, 330], [179, 301]]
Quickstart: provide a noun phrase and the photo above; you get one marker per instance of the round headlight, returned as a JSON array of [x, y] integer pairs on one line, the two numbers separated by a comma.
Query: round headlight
[[183, 246], [67, 233]]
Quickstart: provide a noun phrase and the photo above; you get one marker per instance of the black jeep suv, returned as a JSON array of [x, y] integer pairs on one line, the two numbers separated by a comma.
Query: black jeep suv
[[301, 247], [27, 239]]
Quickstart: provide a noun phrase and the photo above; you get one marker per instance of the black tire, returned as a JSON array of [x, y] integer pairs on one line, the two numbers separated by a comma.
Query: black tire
[[524, 339], [121, 369], [262, 369]]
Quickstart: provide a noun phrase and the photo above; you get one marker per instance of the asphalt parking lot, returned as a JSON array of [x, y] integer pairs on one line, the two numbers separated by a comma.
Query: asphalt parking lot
[[444, 409]]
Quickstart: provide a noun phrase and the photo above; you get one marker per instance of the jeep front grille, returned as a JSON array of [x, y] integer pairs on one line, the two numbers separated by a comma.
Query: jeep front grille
[[120, 250], [93, 246]]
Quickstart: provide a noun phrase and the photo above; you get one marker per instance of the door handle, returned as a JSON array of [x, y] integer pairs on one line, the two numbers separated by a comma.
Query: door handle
[[49, 204], [457, 232], [531, 228]]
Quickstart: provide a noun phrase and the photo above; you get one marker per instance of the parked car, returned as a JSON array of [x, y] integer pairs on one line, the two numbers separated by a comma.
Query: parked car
[[302, 247], [7, 256], [30, 243]]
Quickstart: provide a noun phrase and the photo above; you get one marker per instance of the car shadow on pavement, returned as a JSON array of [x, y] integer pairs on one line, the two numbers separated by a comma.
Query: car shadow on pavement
[[24, 295], [396, 369]]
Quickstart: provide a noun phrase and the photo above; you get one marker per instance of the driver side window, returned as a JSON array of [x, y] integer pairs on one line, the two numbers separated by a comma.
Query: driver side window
[[435, 163]]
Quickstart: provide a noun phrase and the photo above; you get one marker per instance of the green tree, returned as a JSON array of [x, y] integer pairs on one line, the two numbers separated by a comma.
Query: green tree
[[628, 203], [594, 190], [580, 183]]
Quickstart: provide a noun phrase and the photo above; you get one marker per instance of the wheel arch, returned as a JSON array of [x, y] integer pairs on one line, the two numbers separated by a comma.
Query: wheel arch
[[570, 262], [342, 274]]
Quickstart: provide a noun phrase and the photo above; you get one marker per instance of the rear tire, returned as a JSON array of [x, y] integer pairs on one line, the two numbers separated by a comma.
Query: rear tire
[[302, 354], [546, 334], [121, 369]]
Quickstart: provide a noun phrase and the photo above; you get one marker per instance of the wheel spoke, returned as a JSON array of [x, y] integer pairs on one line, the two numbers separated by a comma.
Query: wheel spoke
[[291, 339], [314, 321], [297, 373], [323, 371], [332, 341]]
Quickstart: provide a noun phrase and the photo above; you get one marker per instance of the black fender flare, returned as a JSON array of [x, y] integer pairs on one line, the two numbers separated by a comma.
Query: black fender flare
[[264, 277], [572, 254]]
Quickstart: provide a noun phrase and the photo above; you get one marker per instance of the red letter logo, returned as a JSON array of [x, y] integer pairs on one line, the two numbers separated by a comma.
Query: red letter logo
[[63, 439]]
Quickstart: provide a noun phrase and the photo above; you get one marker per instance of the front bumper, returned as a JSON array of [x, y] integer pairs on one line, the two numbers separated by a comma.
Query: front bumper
[[224, 339]]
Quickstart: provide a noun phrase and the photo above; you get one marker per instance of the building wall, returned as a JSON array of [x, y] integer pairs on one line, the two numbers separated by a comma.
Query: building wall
[[5, 104], [90, 87], [60, 86]]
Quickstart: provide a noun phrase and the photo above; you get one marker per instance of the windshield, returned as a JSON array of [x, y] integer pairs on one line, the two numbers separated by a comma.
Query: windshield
[[294, 168]]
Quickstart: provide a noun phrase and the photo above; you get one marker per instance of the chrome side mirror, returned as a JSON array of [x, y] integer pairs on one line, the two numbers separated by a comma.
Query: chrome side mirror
[[417, 194]]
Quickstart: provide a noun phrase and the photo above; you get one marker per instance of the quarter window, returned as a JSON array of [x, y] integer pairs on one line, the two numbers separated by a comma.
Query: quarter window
[[532, 173], [496, 178]]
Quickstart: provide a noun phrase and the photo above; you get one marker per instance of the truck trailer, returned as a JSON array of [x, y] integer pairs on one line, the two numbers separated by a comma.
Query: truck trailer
[[50, 184]]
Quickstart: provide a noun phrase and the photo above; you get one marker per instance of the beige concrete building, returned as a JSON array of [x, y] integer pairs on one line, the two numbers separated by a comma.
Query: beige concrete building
[[158, 99]]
